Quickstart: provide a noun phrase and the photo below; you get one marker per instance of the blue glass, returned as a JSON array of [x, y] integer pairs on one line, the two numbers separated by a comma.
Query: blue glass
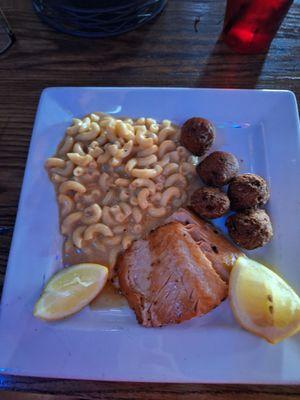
[[97, 18]]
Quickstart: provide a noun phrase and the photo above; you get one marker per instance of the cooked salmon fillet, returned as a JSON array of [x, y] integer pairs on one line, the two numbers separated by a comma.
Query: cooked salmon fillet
[[219, 250], [167, 278]]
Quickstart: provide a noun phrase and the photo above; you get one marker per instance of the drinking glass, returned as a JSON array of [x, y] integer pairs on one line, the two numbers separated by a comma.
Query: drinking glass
[[97, 18], [250, 25]]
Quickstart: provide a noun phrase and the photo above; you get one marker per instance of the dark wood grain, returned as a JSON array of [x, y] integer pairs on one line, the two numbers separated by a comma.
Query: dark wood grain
[[144, 391], [165, 52]]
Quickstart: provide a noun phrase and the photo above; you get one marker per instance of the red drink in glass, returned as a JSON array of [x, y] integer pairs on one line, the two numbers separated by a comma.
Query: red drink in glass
[[250, 25]]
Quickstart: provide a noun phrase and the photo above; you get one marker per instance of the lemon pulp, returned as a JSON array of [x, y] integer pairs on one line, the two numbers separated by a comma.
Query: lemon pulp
[[262, 302], [69, 290]]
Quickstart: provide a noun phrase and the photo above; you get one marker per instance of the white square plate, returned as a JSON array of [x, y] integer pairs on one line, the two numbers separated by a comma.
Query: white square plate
[[262, 129]]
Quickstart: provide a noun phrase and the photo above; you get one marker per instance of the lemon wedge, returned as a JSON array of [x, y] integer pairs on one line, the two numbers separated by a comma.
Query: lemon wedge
[[69, 290], [262, 302]]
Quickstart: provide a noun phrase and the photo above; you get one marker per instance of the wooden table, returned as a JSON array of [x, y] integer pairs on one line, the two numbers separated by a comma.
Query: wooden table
[[165, 52]]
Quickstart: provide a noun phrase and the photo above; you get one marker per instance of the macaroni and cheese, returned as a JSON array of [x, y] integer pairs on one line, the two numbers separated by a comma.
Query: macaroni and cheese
[[116, 179]]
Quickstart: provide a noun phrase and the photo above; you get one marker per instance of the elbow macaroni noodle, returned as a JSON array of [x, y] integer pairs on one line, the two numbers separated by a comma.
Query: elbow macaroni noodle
[[116, 179]]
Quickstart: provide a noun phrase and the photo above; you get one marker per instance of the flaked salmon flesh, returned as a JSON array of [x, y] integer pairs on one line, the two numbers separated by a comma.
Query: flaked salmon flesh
[[219, 250], [168, 279]]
